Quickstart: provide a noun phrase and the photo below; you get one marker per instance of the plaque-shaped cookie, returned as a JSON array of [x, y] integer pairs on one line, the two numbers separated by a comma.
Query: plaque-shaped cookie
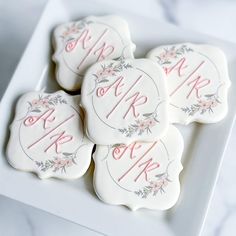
[[47, 136], [125, 101], [140, 175], [80, 44], [197, 81]]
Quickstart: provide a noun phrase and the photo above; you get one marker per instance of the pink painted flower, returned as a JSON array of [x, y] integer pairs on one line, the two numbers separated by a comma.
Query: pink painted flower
[[171, 54], [164, 56], [58, 163], [164, 183], [142, 125], [100, 74], [71, 30], [105, 73], [204, 104], [167, 55], [150, 122], [156, 185], [68, 162], [44, 103], [109, 72], [213, 103], [35, 102]]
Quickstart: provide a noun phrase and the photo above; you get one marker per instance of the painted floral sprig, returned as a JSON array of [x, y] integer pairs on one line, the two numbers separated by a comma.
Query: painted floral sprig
[[110, 70], [145, 124], [141, 125], [45, 102], [172, 53], [66, 159], [70, 32], [203, 105], [154, 187], [58, 163]]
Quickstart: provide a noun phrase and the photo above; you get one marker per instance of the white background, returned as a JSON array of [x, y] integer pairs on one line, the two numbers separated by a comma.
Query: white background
[[17, 22]]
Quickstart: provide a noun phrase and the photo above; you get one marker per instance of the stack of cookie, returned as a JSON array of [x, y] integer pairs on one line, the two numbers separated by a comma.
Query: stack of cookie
[[127, 108]]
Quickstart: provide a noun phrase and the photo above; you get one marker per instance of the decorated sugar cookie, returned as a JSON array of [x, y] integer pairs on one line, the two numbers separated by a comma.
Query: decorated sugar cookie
[[80, 44], [197, 81], [47, 136], [125, 101], [140, 175]]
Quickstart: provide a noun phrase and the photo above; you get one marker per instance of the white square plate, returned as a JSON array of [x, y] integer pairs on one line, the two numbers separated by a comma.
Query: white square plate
[[76, 200]]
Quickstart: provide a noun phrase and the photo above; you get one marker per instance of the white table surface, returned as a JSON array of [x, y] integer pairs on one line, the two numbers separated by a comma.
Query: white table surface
[[17, 22]]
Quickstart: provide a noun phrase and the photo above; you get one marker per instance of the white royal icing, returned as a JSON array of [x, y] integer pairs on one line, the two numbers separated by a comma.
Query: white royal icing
[[80, 44], [47, 136], [140, 175], [197, 81], [125, 101]]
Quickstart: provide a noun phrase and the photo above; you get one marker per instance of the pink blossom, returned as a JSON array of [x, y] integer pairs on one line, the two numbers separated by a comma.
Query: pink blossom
[[164, 183], [72, 30], [171, 54], [99, 73], [69, 162], [35, 102], [150, 122], [142, 125], [213, 103], [204, 104], [109, 72], [105, 72], [58, 163], [167, 55], [164, 56], [44, 103], [40, 102], [156, 185]]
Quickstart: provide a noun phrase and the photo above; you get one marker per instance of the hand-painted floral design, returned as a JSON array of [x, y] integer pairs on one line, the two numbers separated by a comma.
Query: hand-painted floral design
[[110, 70], [58, 163], [63, 160], [48, 101], [158, 183], [155, 186], [73, 29], [171, 53], [141, 125], [203, 105]]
